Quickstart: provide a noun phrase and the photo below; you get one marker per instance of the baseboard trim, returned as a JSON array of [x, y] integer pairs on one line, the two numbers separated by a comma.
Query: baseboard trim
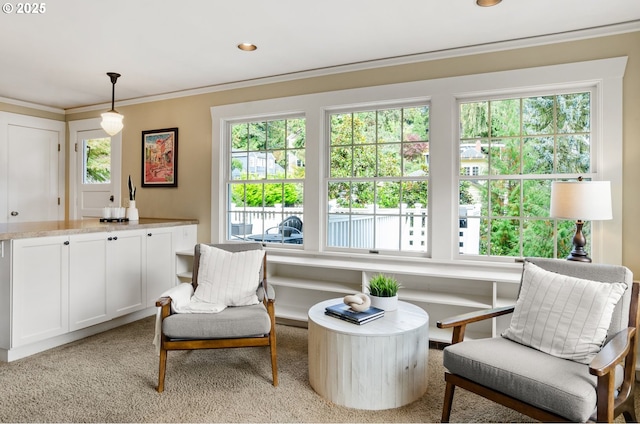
[[9, 355]]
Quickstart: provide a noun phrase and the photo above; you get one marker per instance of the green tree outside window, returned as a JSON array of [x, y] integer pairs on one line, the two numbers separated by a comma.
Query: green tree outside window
[[521, 145]]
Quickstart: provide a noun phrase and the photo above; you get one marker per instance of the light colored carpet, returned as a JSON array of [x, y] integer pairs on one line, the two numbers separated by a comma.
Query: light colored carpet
[[111, 377]]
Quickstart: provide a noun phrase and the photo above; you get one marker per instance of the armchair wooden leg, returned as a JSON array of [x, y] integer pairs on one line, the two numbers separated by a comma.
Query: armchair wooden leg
[[448, 401], [272, 340], [629, 411], [630, 416], [274, 358], [162, 370]]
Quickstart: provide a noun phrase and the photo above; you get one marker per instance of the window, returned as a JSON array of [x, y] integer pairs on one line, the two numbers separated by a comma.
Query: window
[[359, 163], [470, 170], [265, 183], [378, 179], [96, 161], [516, 147]]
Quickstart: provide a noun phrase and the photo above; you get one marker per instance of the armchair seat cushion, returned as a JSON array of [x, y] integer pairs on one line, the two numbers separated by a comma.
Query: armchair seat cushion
[[233, 322], [558, 385]]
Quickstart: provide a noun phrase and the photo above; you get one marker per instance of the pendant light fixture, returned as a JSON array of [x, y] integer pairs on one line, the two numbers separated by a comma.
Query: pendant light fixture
[[112, 120]]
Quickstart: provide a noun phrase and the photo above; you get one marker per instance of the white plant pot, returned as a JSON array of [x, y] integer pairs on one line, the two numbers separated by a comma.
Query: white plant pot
[[385, 303], [132, 211]]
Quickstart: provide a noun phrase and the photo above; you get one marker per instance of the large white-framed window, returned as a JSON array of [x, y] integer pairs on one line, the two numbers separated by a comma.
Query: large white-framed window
[[378, 179], [520, 144], [602, 78], [265, 180]]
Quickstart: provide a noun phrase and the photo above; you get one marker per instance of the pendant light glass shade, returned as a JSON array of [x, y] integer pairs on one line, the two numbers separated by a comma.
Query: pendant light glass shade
[[112, 120]]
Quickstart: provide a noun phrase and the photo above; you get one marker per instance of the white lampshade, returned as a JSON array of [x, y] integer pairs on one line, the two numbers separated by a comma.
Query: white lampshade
[[112, 122], [581, 200]]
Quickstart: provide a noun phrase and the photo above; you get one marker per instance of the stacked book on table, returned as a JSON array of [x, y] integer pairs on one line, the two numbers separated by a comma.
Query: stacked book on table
[[344, 312]]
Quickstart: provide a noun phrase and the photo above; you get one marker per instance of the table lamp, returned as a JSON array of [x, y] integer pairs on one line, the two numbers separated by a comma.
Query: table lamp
[[582, 201]]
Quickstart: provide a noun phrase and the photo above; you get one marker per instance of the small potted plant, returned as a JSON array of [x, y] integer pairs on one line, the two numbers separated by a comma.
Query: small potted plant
[[383, 290]]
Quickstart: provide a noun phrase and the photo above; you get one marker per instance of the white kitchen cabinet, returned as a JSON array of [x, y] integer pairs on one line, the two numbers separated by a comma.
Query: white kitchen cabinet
[[87, 280], [126, 285], [109, 272], [40, 307], [160, 261], [102, 272], [72, 283]]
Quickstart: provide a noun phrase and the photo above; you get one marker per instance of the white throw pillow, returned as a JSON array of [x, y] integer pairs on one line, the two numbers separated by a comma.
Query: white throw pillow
[[563, 316], [228, 278]]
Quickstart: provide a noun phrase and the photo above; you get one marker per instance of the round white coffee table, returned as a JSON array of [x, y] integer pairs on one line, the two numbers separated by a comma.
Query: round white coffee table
[[378, 365]]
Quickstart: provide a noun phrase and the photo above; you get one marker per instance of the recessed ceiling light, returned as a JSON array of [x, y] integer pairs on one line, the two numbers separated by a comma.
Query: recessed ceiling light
[[247, 47], [487, 3]]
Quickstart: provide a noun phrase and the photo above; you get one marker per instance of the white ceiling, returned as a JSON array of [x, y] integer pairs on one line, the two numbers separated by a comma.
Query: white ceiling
[[60, 58]]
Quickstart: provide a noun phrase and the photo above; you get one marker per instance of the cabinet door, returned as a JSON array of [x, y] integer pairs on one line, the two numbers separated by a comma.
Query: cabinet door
[[40, 284], [87, 280], [125, 272], [160, 263]]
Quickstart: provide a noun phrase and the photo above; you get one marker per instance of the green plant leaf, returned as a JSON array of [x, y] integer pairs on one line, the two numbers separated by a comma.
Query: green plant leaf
[[383, 286]]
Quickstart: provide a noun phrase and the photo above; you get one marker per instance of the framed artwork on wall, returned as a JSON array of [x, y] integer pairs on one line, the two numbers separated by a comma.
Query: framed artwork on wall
[[160, 158]]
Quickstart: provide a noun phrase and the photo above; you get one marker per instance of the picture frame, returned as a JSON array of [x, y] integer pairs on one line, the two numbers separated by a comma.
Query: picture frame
[[160, 158]]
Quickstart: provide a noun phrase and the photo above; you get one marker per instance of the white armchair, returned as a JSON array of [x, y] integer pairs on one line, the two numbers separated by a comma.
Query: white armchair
[[545, 366], [230, 326]]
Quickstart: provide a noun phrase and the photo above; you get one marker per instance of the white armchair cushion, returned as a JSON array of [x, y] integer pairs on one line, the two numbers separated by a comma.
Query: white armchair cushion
[[563, 316], [228, 278], [182, 302]]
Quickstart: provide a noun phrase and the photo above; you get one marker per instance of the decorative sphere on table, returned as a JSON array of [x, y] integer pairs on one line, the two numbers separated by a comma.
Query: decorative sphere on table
[[358, 302]]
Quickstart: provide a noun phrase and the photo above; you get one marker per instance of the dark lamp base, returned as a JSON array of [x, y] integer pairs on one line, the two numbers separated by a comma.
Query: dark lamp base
[[578, 253], [578, 257]]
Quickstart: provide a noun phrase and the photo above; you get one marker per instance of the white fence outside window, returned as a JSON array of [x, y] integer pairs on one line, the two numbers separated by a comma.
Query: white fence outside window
[[385, 226]]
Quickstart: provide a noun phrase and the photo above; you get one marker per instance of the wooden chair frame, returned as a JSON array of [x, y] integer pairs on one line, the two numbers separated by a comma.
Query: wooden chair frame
[[167, 344], [621, 349]]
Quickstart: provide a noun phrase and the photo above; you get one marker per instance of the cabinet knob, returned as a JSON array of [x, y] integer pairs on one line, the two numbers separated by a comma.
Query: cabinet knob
[[149, 234], [14, 213], [109, 238], [115, 238], [66, 243]]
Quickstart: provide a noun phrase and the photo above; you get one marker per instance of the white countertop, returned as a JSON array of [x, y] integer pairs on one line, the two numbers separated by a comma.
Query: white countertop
[[57, 228]]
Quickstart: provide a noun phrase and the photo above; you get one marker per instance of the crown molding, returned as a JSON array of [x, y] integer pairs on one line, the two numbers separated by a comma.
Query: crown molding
[[380, 63], [35, 106]]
